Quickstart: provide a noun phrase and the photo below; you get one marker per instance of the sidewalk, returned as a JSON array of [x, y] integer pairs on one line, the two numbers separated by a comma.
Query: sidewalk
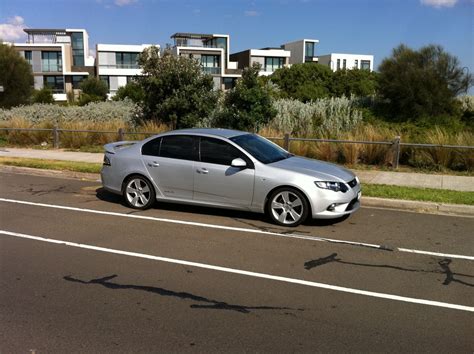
[[459, 183]]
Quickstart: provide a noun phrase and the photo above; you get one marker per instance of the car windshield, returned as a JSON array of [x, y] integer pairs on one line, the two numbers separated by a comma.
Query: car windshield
[[260, 148]]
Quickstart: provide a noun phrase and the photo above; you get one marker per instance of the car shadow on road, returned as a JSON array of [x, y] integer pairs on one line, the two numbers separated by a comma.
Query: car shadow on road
[[245, 217]]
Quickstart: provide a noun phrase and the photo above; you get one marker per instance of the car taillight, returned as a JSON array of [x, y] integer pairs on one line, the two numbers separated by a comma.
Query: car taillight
[[106, 161]]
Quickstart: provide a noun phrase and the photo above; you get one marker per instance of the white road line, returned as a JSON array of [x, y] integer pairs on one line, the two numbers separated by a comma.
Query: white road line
[[247, 273], [232, 228]]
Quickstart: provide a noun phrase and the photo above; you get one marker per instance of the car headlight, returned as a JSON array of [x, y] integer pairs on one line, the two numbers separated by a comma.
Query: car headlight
[[334, 186]]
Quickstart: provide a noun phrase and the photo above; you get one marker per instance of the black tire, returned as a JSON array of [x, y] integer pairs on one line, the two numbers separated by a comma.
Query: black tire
[[138, 192], [287, 206]]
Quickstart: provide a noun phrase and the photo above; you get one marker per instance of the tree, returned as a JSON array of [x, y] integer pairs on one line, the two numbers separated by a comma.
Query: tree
[[93, 90], [304, 82], [16, 77], [248, 105], [45, 95], [422, 83], [176, 90], [354, 82], [131, 90]]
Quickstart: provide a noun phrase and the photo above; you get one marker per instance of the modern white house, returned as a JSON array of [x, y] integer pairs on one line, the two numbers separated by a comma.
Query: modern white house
[[270, 59], [117, 64], [212, 51], [59, 58], [302, 51], [338, 61]]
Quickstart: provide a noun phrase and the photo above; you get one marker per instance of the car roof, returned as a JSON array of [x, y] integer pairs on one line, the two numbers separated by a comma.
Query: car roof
[[225, 133]]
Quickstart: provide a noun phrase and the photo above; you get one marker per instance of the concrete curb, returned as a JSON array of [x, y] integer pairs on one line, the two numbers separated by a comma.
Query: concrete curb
[[371, 202], [419, 206]]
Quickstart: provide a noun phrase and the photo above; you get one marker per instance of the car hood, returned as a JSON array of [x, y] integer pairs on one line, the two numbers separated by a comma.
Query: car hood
[[324, 171]]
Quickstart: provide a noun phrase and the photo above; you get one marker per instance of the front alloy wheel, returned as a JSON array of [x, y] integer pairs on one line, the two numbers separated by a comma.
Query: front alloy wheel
[[288, 207], [139, 193]]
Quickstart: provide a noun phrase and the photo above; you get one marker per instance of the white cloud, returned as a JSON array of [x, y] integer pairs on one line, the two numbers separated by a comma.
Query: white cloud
[[13, 29], [439, 3], [124, 2], [251, 13]]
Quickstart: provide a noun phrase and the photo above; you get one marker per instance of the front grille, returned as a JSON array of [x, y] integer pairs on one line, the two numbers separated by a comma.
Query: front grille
[[352, 183], [350, 206]]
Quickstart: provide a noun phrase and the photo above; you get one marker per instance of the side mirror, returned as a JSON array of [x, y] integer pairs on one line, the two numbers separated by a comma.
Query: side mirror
[[238, 162]]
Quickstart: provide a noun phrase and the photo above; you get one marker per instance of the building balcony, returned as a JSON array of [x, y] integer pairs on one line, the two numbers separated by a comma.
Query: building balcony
[[119, 66], [211, 70]]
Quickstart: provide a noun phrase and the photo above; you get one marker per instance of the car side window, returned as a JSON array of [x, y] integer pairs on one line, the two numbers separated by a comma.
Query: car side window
[[152, 148], [178, 147], [219, 152]]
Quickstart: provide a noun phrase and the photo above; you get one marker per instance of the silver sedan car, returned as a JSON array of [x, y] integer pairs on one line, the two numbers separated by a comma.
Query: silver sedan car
[[228, 169]]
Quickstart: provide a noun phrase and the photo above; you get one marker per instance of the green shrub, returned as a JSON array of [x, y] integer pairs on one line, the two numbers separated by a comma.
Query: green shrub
[[35, 114], [45, 95], [328, 116]]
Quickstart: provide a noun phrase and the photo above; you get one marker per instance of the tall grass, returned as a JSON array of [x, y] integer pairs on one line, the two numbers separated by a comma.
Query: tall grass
[[436, 159], [76, 139]]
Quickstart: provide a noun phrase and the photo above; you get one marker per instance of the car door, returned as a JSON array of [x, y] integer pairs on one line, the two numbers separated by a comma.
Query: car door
[[216, 181], [170, 162]]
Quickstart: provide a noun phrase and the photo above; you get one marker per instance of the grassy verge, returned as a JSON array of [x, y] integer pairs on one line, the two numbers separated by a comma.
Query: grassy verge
[[420, 194], [52, 164], [369, 190]]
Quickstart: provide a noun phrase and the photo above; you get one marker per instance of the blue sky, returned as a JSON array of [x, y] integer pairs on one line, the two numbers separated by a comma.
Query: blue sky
[[344, 26]]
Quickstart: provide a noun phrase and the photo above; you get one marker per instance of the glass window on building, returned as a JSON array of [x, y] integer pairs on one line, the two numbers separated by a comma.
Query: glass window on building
[[365, 64], [29, 57], [309, 50], [126, 60], [356, 64], [219, 42], [211, 64], [105, 79], [77, 44], [344, 63], [76, 81], [271, 64], [229, 83], [55, 83], [338, 64], [51, 61]]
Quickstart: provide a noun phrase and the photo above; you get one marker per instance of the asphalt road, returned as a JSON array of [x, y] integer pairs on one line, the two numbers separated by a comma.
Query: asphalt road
[[178, 278]]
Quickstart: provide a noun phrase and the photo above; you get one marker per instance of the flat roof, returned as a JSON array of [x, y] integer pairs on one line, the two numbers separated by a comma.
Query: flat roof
[[43, 30], [191, 35]]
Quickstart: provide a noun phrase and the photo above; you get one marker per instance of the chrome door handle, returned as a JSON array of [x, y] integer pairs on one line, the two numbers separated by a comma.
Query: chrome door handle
[[154, 164], [204, 171]]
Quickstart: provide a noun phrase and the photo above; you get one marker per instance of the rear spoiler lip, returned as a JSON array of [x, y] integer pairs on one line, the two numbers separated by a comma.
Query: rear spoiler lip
[[112, 147]]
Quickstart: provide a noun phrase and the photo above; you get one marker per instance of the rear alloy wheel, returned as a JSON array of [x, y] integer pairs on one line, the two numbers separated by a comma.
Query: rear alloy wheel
[[139, 193], [288, 207]]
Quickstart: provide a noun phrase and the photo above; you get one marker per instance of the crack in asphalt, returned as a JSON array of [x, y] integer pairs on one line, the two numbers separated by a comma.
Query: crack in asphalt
[[209, 303], [41, 192], [301, 232], [444, 264]]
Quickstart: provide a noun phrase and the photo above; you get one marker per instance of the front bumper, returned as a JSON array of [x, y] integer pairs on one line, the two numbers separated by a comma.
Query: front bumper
[[330, 205]]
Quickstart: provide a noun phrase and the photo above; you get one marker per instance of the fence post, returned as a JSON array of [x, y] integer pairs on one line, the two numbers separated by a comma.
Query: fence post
[[286, 142], [120, 134], [55, 137], [396, 152]]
